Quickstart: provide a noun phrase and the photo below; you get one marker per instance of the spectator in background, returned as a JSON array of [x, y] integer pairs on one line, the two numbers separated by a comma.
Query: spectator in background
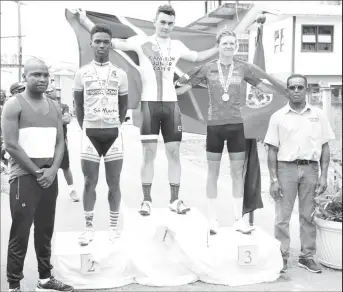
[[16, 88], [54, 94]]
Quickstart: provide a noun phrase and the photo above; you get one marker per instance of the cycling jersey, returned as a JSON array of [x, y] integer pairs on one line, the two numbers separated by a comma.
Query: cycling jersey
[[157, 72], [223, 112], [101, 111]]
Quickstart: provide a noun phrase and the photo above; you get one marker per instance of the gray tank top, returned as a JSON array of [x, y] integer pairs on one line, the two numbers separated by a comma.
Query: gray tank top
[[37, 136]]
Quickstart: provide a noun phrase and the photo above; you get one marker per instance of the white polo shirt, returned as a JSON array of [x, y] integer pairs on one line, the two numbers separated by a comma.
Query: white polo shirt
[[299, 135]]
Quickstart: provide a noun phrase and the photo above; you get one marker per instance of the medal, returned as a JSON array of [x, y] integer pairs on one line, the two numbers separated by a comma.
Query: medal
[[225, 97], [104, 99], [158, 47], [225, 85]]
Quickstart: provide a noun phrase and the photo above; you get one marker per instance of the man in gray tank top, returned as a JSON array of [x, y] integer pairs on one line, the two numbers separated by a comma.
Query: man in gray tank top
[[28, 120]]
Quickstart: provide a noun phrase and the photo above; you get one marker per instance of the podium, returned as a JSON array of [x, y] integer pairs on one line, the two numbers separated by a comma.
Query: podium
[[157, 243], [101, 264], [167, 249], [236, 259]]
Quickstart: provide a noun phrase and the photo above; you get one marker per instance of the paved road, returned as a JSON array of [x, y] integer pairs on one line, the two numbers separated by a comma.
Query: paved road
[[70, 215]]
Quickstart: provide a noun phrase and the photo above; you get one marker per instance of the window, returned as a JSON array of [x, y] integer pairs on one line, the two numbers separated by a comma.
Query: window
[[210, 5], [317, 38], [336, 94], [243, 48], [279, 40]]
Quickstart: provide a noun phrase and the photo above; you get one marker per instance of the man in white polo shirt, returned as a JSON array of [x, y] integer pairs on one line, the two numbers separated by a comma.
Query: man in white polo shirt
[[298, 137]]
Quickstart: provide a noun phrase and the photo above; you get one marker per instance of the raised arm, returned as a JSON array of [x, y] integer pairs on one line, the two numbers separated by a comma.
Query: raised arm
[[10, 131], [119, 44], [194, 56], [205, 55]]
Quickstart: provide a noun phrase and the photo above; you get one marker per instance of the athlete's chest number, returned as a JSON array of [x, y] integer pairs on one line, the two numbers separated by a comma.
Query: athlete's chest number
[[88, 265], [247, 255]]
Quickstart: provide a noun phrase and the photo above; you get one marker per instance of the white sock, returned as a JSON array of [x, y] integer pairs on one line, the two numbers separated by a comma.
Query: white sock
[[114, 216], [71, 188], [44, 281], [239, 208]]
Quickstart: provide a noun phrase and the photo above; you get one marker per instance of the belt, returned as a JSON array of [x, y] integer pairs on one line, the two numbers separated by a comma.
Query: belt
[[303, 161]]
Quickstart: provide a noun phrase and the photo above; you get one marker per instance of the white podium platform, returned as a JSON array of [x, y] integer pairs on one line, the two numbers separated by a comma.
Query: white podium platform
[[99, 265], [235, 259], [166, 249], [157, 245]]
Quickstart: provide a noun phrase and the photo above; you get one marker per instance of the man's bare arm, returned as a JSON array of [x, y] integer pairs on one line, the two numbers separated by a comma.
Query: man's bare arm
[[59, 148], [325, 160], [66, 119], [79, 109], [272, 161], [10, 130], [84, 20], [267, 88], [205, 55], [123, 102]]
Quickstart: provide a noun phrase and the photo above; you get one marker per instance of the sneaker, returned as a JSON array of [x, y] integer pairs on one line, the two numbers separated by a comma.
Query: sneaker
[[179, 207], [74, 197], [14, 290], [145, 208], [86, 237], [241, 226], [113, 234], [285, 266], [310, 265], [214, 226], [53, 285]]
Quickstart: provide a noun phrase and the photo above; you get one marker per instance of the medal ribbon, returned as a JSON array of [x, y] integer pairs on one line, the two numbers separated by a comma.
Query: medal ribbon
[[225, 85]]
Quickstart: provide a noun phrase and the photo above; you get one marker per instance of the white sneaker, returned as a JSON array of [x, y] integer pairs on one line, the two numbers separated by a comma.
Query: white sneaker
[[74, 196], [145, 208], [214, 226], [241, 226], [113, 234], [86, 237], [179, 207]]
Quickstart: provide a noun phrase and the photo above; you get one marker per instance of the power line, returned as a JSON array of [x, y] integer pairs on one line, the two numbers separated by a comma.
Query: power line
[[12, 36]]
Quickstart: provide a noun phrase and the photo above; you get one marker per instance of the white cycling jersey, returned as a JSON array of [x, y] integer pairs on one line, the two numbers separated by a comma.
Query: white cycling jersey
[[157, 69], [101, 110]]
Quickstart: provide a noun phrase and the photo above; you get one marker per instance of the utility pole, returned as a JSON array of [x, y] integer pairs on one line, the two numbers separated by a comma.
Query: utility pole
[[20, 48]]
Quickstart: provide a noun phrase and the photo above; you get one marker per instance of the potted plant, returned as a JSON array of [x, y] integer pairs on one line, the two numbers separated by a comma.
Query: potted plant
[[328, 220]]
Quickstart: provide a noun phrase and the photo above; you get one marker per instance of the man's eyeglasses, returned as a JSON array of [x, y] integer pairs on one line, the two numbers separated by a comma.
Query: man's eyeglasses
[[294, 87]]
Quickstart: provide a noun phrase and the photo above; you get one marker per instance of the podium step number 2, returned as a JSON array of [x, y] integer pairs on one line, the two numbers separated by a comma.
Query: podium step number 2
[[247, 255], [89, 265]]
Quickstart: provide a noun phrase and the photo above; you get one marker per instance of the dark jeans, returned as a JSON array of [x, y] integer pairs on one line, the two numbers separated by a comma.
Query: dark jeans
[[29, 203], [296, 180]]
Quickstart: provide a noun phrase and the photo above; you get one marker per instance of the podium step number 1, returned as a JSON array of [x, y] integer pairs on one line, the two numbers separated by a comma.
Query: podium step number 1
[[247, 255], [89, 265]]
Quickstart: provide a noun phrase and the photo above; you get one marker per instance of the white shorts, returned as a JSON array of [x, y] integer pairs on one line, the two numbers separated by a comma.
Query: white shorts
[[102, 142]]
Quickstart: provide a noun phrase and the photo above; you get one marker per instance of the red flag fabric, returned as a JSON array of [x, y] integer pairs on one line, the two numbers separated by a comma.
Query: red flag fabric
[[192, 110]]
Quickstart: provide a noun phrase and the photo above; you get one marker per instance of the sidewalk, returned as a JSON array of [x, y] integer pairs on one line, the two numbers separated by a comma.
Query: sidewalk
[[193, 186]]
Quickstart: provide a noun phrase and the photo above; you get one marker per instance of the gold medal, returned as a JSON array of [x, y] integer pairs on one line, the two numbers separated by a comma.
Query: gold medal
[[225, 97]]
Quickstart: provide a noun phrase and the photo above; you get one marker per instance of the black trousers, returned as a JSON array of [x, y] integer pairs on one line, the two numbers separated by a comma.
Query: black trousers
[[30, 203]]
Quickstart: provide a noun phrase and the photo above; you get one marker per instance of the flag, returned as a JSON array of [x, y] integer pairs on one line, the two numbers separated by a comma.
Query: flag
[[256, 129], [192, 110]]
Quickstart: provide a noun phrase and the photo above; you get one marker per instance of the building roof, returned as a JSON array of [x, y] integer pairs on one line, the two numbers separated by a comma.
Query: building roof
[[226, 11]]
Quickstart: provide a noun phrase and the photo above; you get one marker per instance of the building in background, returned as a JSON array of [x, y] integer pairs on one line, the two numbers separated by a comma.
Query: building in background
[[301, 37]]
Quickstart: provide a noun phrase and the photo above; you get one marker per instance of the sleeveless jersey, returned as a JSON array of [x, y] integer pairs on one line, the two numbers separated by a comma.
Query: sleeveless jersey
[[37, 136]]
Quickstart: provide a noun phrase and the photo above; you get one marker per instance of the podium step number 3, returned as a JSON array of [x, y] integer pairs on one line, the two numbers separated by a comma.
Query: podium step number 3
[[247, 255], [89, 265]]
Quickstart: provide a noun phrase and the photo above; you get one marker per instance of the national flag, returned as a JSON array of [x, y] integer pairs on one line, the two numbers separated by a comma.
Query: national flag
[[257, 129], [192, 110]]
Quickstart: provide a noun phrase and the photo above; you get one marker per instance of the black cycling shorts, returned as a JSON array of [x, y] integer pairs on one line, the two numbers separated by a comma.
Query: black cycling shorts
[[233, 134], [160, 114]]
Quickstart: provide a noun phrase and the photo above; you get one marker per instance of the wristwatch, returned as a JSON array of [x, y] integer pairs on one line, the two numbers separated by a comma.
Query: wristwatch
[[274, 180]]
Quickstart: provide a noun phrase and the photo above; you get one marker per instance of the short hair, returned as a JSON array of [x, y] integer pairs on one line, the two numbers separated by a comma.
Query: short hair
[[297, 76], [101, 28], [225, 32], [166, 9]]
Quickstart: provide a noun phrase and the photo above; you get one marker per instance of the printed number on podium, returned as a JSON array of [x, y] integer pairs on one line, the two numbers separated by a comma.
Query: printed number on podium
[[247, 255], [88, 265]]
